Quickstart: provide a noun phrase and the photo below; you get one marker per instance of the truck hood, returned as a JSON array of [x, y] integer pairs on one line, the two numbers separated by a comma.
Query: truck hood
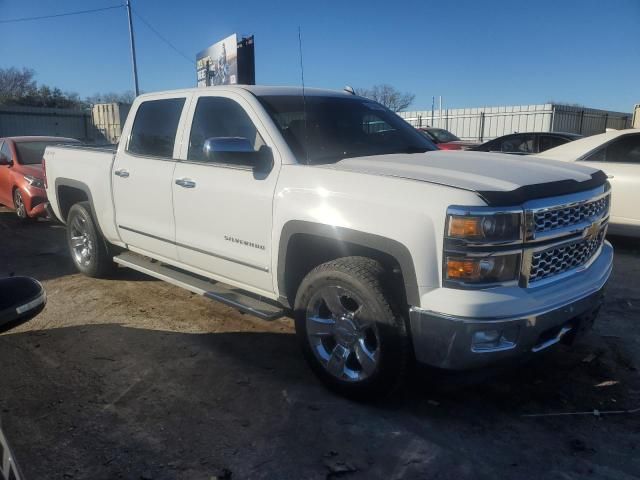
[[500, 179]]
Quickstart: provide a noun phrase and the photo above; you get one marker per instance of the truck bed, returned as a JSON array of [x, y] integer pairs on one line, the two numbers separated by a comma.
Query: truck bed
[[88, 170]]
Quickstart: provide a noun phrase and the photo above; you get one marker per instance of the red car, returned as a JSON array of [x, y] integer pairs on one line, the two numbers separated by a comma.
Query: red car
[[22, 175], [445, 140]]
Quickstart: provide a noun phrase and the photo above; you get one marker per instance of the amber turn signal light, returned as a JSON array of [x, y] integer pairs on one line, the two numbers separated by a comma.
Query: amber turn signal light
[[462, 269], [465, 227]]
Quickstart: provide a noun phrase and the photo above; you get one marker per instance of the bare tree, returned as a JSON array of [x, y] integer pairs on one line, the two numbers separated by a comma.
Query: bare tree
[[388, 96], [16, 84], [112, 97]]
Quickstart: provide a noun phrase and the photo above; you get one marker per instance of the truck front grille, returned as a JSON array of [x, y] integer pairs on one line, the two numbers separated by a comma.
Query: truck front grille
[[568, 215], [560, 259]]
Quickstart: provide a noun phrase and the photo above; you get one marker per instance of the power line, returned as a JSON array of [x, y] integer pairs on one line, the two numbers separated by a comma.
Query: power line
[[66, 14], [189, 59]]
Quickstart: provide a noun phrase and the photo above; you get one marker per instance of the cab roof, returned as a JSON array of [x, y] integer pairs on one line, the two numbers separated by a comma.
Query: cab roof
[[261, 90]]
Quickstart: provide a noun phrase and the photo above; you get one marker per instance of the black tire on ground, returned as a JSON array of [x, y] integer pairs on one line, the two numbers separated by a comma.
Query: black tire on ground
[[351, 334], [89, 250], [19, 206]]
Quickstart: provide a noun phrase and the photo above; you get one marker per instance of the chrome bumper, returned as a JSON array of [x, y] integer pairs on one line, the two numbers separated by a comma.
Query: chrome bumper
[[447, 341]]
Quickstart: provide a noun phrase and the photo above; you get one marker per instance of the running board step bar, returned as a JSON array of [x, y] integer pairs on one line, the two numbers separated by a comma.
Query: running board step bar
[[233, 297]]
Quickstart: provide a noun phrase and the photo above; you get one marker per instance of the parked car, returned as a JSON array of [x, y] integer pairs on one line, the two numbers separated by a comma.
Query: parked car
[[384, 250], [527, 143], [445, 140], [617, 153], [21, 173]]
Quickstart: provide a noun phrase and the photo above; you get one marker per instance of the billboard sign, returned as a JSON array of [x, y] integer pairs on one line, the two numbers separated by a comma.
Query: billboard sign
[[218, 64]]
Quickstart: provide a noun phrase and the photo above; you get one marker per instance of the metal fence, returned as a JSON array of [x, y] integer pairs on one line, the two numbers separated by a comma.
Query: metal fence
[[485, 123], [58, 122]]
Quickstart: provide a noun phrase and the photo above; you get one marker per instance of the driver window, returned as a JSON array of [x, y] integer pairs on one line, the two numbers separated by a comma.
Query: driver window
[[220, 117]]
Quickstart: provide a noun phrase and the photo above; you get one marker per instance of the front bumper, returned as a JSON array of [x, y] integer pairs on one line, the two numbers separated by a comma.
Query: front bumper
[[447, 341]]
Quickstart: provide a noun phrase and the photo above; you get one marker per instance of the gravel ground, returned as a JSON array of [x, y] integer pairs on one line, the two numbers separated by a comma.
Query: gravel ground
[[134, 378]]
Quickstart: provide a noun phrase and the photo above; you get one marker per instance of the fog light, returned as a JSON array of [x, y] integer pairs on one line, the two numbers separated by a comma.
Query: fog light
[[492, 340]]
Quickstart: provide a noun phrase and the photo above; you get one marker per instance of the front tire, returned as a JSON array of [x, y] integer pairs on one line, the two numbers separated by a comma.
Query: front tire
[[88, 249], [350, 334]]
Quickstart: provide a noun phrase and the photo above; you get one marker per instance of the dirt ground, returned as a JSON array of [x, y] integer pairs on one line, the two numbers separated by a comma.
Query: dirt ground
[[133, 378]]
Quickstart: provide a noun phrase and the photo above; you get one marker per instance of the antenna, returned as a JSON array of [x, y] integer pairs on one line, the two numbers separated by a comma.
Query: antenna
[[304, 97]]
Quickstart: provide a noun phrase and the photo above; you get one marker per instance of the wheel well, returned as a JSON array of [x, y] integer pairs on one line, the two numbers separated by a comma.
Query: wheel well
[[307, 251], [68, 197]]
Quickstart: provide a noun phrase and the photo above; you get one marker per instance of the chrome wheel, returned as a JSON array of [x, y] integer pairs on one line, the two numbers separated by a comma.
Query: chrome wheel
[[18, 202], [82, 244], [341, 336]]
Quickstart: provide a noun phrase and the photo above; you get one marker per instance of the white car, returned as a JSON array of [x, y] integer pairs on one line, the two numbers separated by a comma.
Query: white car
[[617, 153], [332, 209]]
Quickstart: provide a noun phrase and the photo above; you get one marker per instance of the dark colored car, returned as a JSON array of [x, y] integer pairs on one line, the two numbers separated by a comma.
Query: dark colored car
[[22, 175], [445, 140], [527, 143]]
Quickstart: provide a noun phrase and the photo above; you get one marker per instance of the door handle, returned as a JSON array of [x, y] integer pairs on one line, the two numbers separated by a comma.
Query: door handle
[[186, 183], [610, 176], [122, 173]]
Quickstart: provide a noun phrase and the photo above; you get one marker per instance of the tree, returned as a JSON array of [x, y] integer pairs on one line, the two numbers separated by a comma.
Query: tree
[[388, 96], [16, 84], [18, 87], [111, 97]]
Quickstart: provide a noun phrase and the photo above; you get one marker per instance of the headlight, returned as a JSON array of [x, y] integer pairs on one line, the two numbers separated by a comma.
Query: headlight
[[488, 270], [482, 247], [493, 227], [34, 181]]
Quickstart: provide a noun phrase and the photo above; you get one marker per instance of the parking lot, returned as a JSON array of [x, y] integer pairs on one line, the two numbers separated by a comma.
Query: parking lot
[[134, 378]]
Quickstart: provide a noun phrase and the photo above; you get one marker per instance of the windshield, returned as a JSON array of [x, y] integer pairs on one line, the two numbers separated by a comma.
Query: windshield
[[31, 153], [341, 127], [442, 136]]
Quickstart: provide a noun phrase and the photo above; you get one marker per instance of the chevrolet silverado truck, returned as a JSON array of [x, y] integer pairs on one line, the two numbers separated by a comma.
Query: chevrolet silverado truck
[[328, 207]]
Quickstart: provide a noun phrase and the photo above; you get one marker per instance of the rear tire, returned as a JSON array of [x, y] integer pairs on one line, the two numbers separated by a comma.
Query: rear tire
[[89, 250], [350, 334]]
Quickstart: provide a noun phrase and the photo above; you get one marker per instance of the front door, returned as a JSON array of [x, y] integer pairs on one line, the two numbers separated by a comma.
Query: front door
[[6, 177], [222, 206], [142, 177]]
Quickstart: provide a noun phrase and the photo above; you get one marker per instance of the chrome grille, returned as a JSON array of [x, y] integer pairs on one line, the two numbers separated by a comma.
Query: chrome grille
[[565, 216], [556, 260]]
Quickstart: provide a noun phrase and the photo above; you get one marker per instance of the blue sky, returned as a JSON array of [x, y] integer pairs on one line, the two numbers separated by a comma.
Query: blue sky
[[473, 53]]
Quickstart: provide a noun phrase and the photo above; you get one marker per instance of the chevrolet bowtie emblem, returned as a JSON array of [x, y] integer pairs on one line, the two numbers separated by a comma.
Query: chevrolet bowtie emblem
[[591, 231]]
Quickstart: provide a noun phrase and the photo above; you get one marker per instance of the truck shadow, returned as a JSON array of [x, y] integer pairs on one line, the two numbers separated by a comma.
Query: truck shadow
[[107, 400], [38, 248]]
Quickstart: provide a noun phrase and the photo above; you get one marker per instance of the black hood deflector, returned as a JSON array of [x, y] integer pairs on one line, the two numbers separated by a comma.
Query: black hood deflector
[[542, 190]]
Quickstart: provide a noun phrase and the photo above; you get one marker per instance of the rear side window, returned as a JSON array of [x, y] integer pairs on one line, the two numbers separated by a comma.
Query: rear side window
[[548, 141], [517, 144], [155, 126], [624, 150]]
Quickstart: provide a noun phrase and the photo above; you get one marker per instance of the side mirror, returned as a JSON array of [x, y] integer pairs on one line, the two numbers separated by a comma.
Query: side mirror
[[21, 299], [4, 160], [238, 151]]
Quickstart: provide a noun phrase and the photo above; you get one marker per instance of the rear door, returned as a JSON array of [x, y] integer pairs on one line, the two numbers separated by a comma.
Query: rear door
[[142, 176], [620, 160], [223, 210]]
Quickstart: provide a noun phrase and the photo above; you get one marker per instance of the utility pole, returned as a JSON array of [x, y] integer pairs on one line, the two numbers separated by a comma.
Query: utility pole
[[133, 50]]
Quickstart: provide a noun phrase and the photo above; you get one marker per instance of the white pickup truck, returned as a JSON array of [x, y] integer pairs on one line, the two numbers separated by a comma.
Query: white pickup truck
[[332, 209]]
